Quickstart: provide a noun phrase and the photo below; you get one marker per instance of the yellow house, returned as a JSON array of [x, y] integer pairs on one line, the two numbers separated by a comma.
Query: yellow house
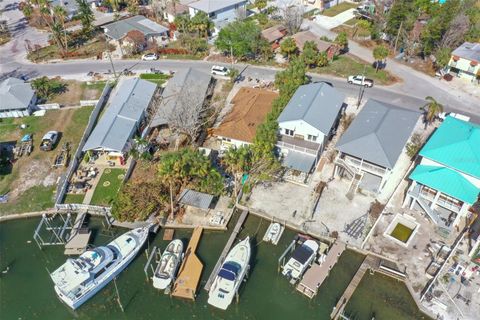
[[465, 61]]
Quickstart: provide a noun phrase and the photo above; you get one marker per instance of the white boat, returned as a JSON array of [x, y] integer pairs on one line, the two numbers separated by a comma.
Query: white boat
[[230, 275], [300, 260], [168, 265], [273, 232], [77, 280]]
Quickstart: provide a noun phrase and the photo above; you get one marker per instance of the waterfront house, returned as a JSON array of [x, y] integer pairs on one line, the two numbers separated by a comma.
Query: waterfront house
[[124, 117], [306, 124], [185, 93], [446, 180], [250, 108], [17, 98], [220, 12], [329, 48], [465, 61], [371, 146], [120, 33]]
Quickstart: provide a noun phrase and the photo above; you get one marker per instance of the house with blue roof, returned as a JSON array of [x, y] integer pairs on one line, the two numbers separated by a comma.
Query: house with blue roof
[[307, 123], [446, 182]]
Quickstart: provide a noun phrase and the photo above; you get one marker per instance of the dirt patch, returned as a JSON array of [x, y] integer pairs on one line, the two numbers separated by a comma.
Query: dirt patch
[[75, 92], [31, 175]]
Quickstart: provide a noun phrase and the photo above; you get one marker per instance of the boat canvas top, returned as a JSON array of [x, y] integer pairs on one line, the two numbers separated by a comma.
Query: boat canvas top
[[229, 270], [302, 253]]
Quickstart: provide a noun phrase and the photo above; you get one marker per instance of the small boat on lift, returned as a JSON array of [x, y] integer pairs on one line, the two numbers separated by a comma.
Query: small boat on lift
[[167, 267], [300, 260]]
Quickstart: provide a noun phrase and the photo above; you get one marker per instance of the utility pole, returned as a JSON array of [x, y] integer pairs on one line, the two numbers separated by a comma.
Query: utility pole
[[110, 58], [396, 39], [362, 87], [231, 55]]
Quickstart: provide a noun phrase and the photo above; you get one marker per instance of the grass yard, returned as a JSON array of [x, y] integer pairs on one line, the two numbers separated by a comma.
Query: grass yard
[[74, 198], [352, 31], [401, 232], [344, 66], [91, 49], [36, 170], [158, 79], [36, 198], [341, 7], [108, 186], [76, 91]]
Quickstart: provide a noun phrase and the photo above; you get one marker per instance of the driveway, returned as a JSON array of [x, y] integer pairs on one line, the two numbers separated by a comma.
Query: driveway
[[332, 22], [20, 31]]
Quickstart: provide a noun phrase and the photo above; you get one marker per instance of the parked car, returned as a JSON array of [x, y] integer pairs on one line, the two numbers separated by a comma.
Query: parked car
[[150, 57], [219, 70], [360, 81], [49, 140]]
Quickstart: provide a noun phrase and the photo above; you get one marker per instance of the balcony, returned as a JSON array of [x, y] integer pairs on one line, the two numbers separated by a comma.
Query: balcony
[[365, 166], [309, 147]]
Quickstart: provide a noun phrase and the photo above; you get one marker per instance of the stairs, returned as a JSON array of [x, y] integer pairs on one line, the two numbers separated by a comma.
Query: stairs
[[354, 186]]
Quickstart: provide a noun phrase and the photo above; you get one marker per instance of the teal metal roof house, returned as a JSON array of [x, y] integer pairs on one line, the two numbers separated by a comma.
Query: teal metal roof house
[[446, 182]]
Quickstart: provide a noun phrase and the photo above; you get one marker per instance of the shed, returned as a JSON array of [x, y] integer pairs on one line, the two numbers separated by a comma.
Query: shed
[[195, 199]]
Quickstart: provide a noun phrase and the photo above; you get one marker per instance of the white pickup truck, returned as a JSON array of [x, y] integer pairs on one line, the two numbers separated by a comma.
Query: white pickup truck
[[360, 81]]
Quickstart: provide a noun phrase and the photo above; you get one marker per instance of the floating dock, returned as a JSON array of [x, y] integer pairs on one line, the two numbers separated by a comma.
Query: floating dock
[[370, 262], [190, 271], [226, 249], [316, 275], [79, 237], [275, 241]]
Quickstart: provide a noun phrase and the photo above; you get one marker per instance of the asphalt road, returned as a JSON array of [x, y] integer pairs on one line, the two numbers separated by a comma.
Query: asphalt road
[[79, 69]]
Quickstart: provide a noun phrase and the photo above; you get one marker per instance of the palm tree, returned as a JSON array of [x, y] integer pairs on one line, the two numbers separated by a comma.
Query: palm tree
[[431, 110], [86, 16], [61, 14], [237, 161]]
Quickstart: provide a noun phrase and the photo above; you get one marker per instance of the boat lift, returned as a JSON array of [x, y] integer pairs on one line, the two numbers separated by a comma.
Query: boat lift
[[56, 224], [289, 250]]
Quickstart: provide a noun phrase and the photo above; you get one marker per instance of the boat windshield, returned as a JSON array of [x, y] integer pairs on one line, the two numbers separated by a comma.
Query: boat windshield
[[229, 270]]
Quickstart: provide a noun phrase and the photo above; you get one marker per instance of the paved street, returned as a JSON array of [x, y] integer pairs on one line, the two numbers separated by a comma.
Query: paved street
[[410, 93]]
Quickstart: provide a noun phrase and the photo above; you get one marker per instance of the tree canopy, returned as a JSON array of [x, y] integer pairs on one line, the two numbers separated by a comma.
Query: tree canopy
[[243, 39]]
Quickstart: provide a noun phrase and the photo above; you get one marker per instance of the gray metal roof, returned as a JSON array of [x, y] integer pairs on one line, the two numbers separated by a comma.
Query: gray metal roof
[[119, 29], [469, 51], [209, 6], [195, 199], [298, 161], [121, 118], [318, 104], [15, 94], [379, 133], [187, 86]]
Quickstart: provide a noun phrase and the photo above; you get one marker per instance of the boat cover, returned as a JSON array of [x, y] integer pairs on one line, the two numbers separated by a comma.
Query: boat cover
[[302, 253]]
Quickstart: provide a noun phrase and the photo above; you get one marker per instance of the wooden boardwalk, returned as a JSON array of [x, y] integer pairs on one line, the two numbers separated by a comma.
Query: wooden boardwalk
[[79, 237], [370, 262], [226, 249]]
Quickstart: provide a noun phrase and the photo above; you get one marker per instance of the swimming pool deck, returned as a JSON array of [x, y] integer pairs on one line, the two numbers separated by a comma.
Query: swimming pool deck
[[316, 275], [190, 271]]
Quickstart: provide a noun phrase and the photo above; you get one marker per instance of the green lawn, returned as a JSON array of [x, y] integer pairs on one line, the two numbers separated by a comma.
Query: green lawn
[[401, 232], [37, 198], [95, 85], [158, 79], [344, 66], [74, 198], [333, 11], [108, 186]]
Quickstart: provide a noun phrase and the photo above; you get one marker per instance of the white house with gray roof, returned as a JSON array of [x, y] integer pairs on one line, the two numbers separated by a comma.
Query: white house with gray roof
[[465, 61], [371, 146], [17, 98], [221, 12], [307, 122], [122, 118]]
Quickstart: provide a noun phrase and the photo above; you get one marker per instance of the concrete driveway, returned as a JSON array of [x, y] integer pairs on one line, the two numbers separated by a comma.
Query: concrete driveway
[[332, 22], [20, 31]]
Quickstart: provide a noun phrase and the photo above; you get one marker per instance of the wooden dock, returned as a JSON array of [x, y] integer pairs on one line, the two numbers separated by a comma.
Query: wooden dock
[[316, 275], [226, 249], [370, 262], [190, 271], [79, 237]]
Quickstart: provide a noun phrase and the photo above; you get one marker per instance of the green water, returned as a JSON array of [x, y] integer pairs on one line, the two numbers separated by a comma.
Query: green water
[[26, 291]]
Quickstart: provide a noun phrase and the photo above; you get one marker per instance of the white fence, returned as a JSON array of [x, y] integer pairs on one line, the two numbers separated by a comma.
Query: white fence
[[48, 106], [84, 103]]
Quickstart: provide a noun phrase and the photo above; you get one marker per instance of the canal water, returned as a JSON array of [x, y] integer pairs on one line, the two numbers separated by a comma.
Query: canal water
[[26, 291]]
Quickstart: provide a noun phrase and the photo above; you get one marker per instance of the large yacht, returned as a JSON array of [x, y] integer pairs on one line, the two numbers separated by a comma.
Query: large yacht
[[77, 280], [168, 265], [230, 276], [300, 260]]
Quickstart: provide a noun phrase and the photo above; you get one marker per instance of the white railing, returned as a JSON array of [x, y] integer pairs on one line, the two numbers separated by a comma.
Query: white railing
[[79, 206], [362, 165], [296, 148], [48, 106]]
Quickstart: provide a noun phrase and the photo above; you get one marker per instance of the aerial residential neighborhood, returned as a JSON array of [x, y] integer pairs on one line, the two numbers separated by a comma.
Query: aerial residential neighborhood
[[240, 159]]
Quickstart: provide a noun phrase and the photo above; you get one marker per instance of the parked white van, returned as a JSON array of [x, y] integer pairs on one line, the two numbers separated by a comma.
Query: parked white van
[[219, 70]]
